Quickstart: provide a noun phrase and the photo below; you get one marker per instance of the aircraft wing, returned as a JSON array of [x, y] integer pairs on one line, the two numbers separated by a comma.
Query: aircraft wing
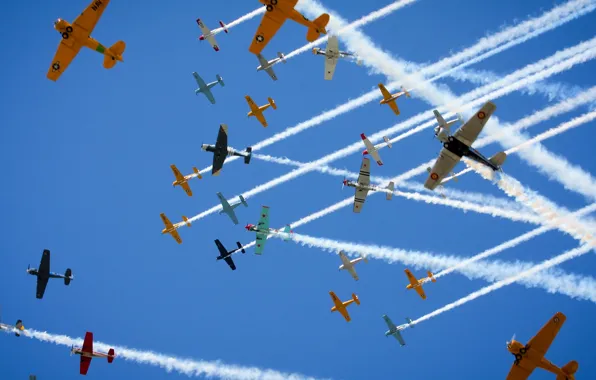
[[399, 338], [41, 287], [261, 240], [394, 107], [331, 59], [332, 45], [208, 36], [176, 172], [363, 179], [344, 311], [330, 63], [344, 259], [353, 273], [221, 149], [63, 57], [370, 148], [222, 250], [85, 363], [543, 339], [186, 189], [207, 92], [253, 106], [443, 166], [270, 24], [264, 219], [271, 73], [521, 373], [176, 236], [261, 119], [470, 131], [420, 292], [88, 342], [200, 82], [44, 264], [413, 280], [230, 262], [91, 15]]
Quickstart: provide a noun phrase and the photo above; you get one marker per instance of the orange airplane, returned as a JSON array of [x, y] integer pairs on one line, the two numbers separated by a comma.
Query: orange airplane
[[530, 356], [341, 306], [172, 228], [277, 13], [389, 98], [77, 35], [417, 284], [183, 180], [257, 111]]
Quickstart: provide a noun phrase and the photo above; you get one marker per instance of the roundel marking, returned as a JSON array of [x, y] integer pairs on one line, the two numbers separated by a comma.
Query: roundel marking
[[481, 115], [434, 176]]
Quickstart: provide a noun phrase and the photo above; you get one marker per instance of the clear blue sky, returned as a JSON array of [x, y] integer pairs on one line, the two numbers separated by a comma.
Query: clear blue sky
[[86, 174]]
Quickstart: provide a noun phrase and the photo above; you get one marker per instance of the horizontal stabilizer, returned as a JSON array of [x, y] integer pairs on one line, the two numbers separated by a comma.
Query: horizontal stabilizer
[[116, 51], [431, 276], [386, 139], [498, 159], [272, 103], [320, 24], [243, 200], [248, 156], [356, 299], [569, 369], [391, 188], [225, 29], [240, 247], [67, 276], [186, 220], [19, 326], [409, 320], [220, 80], [281, 56], [197, 172], [111, 355]]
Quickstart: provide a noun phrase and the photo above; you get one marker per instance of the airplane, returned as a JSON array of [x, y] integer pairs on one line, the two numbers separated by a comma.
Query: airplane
[[77, 35], [183, 180], [17, 328], [205, 88], [460, 144], [257, 111], [172, 228], [530, 356], [342, 306], [208, 34], [262, 229], [268, 65], [43, 274], [349, 265], [229, 209], [373, 149], [395, 330], [221, 150], [227, 256], [417, 284], [362, 186], [87, 353], [332, 55], [389, 98], [277, 13]]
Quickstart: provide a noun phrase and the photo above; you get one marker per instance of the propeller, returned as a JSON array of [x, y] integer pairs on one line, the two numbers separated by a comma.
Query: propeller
[[344, 183], [511, 340], [71, 349]]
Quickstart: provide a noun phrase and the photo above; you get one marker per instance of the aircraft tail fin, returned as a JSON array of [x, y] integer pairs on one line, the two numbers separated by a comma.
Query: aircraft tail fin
[[19, 326], [406, 92], [281, 56], [386, 139], [498, 159], [320, 24], [186, 220], [240, 247], [409, 320], [248, 156], [355, 298], [197, 172], [225, 28], [272, 103], [220, 80], [116, 51], [243, 200], [431, 276], [391, 188], [569, 369], [111, 355], [67, 276]]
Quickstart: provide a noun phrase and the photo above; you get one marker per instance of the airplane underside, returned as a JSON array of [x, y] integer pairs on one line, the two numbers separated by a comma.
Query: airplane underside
[[460, 149]]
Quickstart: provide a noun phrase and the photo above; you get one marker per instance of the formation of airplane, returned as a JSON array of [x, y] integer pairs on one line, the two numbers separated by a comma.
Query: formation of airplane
[[208, 34], [332, 55], [341, 307], [227, 255], [267, 66], [172, 229], [77, 35], [531, 355], [229, 209], [349, 265], [262, 229], [373, 150], [17, 328], [205, 88], [43, 274], [182, 181], [221, 150], [417, 284], [460, 144], [389, 98], [257, 111], [362, 186], [278, 11], [395, 330], [87, 353]]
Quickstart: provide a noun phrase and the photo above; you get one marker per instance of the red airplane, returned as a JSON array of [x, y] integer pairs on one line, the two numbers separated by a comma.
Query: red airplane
[[87, 353]]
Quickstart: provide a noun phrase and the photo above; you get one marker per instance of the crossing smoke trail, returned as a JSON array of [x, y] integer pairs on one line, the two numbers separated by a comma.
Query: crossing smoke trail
[[240, 20], [585, 54], [189, 367], [575, 286], [508, 281], [484, 45]]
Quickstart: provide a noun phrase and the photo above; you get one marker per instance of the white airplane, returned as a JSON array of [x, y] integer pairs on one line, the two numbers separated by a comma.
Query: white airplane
[[349, 265], [363, 186], [208, 34], [460, 144], [268, 65], [332, 55], [373, 149]]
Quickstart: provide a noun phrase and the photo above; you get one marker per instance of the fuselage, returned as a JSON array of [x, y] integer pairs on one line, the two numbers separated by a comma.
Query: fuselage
[[93, 354], [392, 98], [35, 272], [527, 358], [73, 33]]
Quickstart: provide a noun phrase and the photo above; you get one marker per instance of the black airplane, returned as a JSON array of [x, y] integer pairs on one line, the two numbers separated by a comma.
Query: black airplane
[[221, 150], [43, 274], [227, 256]]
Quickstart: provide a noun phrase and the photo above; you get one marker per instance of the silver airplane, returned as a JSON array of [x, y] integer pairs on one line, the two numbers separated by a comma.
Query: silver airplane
[[268, 65]]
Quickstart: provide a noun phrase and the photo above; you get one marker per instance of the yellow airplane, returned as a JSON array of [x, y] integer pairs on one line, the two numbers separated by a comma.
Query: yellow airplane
[[530, 356], [341, 306], [77, 35], [277, 13], [183, 180], [417, 284], [257, 111], [172, 228], [389, 98]]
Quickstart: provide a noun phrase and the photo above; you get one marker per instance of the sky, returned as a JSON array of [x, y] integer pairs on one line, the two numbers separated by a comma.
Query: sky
[[86, 166]]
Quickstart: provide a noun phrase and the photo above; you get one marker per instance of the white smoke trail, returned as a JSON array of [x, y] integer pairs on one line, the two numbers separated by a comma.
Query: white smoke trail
[[240, 20], [184, 366], [508, 281]]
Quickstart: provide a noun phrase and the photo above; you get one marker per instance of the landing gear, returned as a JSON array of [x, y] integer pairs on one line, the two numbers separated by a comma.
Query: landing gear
[[446, 145], [269, 7], [65, 35], [273, 2], [518, 357], [523, 350], [69, 29]]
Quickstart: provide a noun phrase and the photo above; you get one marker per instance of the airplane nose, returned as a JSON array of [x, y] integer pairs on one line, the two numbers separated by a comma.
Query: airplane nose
[[365, 152]]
